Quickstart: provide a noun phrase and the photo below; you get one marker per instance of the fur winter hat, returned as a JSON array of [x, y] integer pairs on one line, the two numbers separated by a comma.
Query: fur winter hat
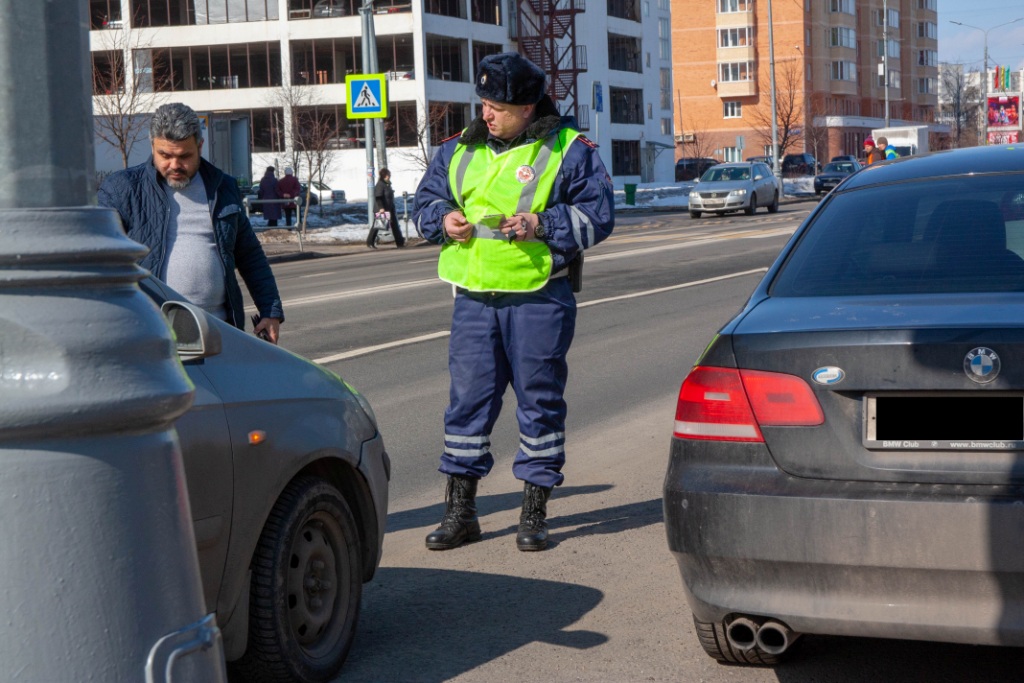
[[509, 78]]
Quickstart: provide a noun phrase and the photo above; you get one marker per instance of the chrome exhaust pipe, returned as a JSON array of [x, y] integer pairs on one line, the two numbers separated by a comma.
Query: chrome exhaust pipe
[[741, 633], [774, 637]]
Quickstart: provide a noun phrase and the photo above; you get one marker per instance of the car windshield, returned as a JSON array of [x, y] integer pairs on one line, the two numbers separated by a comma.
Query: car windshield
[[962, 234], [839, 167], [725, 174]]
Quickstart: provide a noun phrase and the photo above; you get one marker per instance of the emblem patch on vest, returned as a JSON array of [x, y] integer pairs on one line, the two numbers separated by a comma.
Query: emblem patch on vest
[[525, 174]]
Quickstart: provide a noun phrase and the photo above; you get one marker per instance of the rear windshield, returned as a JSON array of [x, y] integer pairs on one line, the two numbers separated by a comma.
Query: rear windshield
[[951, 235]]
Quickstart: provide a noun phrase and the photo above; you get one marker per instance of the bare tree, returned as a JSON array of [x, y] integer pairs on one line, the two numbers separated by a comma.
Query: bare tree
[[959, 103], [314, 138], [789, 105], [697, 141], [122, 77], [815, 132], [431, 120]]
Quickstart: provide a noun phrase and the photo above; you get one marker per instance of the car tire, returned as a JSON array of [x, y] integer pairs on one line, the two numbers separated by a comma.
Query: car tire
[[753, 205], [774, 206], [306, 587], [695, 214], [712, 638]]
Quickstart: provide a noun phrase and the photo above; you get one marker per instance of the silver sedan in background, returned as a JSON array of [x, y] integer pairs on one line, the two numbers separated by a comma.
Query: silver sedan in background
[[738, 186]]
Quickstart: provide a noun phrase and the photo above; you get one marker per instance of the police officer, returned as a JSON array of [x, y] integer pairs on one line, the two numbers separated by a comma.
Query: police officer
[[515, 199]]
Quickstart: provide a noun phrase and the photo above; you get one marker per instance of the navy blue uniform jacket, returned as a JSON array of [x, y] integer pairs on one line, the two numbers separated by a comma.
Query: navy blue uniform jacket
[[135, 193]]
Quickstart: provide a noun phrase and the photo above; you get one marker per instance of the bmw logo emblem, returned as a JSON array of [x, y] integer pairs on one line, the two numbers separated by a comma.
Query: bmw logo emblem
[[982, 365]]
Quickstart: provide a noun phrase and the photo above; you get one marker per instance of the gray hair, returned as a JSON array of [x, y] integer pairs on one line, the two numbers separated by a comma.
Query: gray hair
[[175, 122]]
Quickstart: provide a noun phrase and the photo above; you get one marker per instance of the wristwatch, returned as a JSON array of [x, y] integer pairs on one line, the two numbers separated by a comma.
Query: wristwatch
[[539, 232]]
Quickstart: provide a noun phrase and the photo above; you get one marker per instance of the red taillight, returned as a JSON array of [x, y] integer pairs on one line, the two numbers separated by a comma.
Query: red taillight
[[726, 404]]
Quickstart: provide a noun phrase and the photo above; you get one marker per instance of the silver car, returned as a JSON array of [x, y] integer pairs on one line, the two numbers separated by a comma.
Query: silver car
[[288, 487], [738, 186]]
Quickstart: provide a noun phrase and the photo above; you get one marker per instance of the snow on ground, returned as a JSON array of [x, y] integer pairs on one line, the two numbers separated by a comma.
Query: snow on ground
[[346, 223]]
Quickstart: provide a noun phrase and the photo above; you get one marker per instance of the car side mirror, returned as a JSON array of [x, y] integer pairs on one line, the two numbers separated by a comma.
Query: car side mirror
[[758, 176], [194, 336]]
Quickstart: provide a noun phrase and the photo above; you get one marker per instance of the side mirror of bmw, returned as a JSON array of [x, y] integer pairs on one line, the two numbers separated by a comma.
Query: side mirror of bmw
[[194, 336]]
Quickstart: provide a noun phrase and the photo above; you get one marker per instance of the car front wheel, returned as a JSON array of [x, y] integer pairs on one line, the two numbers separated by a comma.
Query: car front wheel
[[695, 214], [306, 587], [753, 205], [774, 206]]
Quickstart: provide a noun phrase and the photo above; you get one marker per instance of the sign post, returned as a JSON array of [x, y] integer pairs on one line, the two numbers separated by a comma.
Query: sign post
[[366, 97]]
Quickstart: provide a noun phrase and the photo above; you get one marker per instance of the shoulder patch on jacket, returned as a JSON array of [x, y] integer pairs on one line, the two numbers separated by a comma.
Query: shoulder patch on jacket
[[451, 137], [586, 141]]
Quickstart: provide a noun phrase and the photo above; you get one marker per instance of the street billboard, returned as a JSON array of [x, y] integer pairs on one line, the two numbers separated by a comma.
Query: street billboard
[[1003, 112]]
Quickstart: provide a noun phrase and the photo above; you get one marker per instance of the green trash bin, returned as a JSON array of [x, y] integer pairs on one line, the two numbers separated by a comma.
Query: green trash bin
[[631, 194]]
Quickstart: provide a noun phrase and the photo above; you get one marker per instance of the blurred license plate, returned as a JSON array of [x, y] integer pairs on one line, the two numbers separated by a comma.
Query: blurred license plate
[[713, 202], [975, 422]]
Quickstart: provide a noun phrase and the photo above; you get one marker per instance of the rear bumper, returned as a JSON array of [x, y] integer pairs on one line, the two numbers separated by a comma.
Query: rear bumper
[[865, 559]]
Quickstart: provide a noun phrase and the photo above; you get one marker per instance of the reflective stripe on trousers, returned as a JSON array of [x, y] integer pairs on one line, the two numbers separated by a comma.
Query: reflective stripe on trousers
[[498, 339]]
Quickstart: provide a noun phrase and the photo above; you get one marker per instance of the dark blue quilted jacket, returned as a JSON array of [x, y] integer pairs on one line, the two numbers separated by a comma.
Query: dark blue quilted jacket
[[137, 196]]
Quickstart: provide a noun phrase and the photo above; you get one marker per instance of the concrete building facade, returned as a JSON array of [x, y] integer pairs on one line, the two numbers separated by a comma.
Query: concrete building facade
[[829, 89], [262, 59]]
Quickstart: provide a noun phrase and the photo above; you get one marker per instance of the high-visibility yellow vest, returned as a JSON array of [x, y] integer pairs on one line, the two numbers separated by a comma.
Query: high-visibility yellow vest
[[489, 186]]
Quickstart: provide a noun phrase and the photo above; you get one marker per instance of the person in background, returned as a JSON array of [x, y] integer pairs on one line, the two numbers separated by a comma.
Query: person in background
[[385, 196], [289, 188], [189, 213], [887, 151], [268, 190], [871, 153], [515, 199]]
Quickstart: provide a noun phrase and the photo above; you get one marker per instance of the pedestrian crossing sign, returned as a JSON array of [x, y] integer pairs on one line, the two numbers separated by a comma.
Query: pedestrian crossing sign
[[366, 96]]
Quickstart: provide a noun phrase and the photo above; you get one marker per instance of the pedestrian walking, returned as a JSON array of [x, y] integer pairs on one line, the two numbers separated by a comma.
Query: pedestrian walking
[[268, 190], [871, 153], [514, 199], [189, 213], [385, 196]]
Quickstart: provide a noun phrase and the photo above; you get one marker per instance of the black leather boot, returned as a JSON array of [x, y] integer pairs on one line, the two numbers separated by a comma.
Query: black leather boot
[[533, 529], [459, 524]]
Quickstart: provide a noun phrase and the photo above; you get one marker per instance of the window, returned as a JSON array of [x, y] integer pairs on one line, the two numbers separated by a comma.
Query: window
[[626, 105], [447, 8], [666, 126], [624, 9], [894, 79], [927, 86], [665, 88], [736, 37], [842, 6], [625, 157], [727, 6], [732, 154], [483, 11], [446, 119], [104, 14], [200, 12], [894, 48], [844, 71], [927, 29], [446, 58], [624, 53], [665, 5], [933, 5], [841, 36], [735, 71], [246, 65], [927, 58], [732, 109], [664, 39], [894, 17]]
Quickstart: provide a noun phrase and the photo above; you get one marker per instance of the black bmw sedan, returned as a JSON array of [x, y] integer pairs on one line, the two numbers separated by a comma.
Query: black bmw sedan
[[848, 452]]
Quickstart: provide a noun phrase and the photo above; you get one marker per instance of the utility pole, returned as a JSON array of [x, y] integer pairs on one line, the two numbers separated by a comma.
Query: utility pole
[[885, 57], [776, 169], [366, 10], [98, 565]]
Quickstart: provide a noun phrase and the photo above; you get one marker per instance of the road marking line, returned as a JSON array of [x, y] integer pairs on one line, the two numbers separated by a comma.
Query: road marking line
[[347, 294], [355, 353]]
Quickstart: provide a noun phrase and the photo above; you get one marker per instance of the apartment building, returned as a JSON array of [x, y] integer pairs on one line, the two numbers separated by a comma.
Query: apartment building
[[828, 55], [258, 60]]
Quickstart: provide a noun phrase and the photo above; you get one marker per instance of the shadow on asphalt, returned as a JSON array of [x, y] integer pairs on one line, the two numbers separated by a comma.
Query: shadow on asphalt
[[431, 625], [486, 504]]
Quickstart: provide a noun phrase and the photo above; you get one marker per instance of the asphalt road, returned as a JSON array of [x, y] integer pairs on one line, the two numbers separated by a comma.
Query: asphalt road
[[605, 602]]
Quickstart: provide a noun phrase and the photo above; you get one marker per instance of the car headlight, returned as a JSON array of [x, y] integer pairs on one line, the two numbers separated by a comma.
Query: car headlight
[[363, 403], [694, 195], [738, 193]]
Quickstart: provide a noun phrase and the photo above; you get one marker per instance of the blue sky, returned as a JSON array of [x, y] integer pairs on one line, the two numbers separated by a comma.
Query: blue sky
[[967, 45]]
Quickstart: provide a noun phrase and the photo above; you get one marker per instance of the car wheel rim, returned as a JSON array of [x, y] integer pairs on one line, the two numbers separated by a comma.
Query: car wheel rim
[[313, 582]]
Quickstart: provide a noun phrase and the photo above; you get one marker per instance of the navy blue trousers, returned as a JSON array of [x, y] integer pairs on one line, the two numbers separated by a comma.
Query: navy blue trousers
[[498, 339]]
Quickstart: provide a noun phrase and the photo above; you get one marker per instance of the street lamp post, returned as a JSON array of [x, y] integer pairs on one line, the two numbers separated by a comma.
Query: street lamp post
[[885, 58], [984, 73]]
